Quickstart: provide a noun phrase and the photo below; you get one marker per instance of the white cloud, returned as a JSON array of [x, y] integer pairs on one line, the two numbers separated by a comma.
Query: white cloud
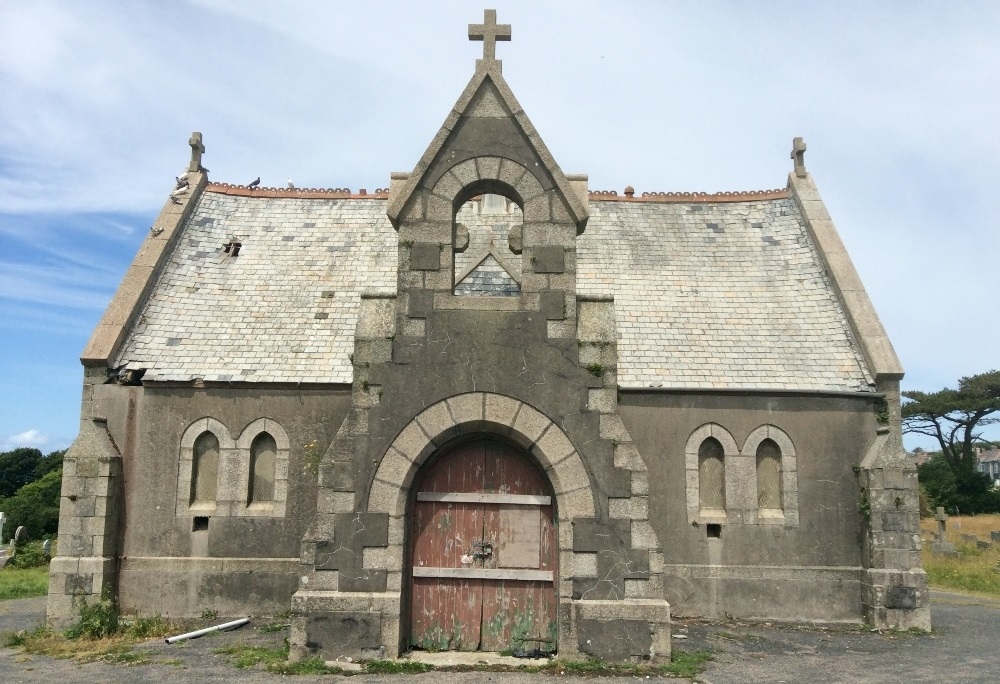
[[28, 438]]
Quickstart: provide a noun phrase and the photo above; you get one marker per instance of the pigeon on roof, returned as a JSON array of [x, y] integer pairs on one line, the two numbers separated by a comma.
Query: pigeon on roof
[[254, 183]]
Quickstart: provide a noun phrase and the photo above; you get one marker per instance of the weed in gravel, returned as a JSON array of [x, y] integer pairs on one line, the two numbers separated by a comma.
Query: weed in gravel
[[243, 656], [96, 621], [396, 667], [308, 666], [100, 633], [270, 627], [682, 664]]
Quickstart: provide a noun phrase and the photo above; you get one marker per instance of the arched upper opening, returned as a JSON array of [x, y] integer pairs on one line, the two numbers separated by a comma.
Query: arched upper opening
[[486, 240]]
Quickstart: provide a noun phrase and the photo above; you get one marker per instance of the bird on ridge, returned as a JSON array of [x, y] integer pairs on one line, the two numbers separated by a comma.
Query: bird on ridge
[[254, 183]]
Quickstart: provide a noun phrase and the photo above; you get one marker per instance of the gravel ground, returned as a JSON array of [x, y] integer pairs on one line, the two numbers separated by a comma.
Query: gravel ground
[[963, 648]]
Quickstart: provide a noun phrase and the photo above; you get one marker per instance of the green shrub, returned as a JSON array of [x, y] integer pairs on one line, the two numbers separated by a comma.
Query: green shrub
[[28, 555], [97, 621]]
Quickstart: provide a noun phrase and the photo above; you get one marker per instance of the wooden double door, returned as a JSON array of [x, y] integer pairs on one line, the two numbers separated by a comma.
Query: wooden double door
[[484, 553]]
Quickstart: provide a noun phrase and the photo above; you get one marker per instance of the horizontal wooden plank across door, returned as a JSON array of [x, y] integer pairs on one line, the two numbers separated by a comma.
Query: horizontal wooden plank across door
[[485, 497], [487, 573]]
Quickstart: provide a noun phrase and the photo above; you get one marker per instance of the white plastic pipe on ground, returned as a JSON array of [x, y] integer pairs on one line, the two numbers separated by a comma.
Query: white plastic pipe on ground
[[208, 630]]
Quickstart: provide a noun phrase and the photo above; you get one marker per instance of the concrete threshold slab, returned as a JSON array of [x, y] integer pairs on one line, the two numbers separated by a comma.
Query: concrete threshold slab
[[472, 659]]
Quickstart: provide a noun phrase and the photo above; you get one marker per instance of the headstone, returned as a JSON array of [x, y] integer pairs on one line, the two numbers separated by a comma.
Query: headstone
[[20, 535], [3, 558], [983, 544], [942, 521], [969, 538], [47, 548], [994, 535], [941, 545], [3, 519]]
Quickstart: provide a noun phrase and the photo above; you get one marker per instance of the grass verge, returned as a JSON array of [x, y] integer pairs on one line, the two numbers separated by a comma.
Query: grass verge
[[18, 583], [974, 569]]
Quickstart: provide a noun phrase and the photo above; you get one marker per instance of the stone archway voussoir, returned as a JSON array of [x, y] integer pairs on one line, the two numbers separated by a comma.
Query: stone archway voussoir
[[531, 423], [411, 442], [437, 422]]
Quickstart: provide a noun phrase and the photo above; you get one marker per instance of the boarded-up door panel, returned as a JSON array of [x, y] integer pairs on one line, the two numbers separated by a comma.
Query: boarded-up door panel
[[492, 614]]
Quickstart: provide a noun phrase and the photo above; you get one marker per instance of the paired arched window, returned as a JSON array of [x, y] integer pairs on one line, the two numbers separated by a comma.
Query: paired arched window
[[218, 475], [753, 485]]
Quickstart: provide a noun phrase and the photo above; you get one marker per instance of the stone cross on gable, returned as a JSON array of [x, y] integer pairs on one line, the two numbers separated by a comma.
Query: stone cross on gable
[[197, 149], [489, 32], [798, 155]]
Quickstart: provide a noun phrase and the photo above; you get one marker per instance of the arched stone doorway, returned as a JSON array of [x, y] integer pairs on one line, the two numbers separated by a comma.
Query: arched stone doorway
[[484, 551]]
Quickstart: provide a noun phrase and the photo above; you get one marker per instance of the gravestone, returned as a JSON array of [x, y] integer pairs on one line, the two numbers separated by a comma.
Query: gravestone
[[994, 535], [20, 536], [983, 544], [941, 545], [47, 548], [969, 538], [3, 519], [3, 558]]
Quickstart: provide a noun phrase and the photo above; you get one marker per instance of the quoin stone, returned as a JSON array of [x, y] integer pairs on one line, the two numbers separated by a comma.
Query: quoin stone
[[486, 386]]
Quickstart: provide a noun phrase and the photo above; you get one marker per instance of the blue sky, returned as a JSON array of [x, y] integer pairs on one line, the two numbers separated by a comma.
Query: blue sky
[[897, 104]]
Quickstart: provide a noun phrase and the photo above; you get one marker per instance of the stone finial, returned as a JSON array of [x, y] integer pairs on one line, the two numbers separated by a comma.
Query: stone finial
[[798, 156], [489, 32], [629, 191], [197, 149]]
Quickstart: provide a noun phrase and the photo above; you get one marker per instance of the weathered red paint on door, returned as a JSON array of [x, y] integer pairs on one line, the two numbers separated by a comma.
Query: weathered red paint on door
[[512, 601]]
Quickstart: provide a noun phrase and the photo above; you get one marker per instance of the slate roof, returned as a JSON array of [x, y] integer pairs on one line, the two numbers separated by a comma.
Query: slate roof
[[707, 294]]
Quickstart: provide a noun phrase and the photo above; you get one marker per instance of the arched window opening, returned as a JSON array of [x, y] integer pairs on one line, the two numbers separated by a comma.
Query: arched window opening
[[769, 475], [263, 453], [487, 246], [711, 475], [205, 469]]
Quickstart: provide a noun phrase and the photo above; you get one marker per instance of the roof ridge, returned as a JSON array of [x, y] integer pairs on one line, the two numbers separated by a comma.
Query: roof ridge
[[668, 197], [298, 193]]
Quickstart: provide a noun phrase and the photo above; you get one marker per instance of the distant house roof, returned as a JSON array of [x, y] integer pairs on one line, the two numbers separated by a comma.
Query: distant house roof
[[710, 291], [990, 456]]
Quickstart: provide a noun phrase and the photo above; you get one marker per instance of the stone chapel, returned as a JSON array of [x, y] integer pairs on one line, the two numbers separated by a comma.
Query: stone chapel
[[489, 408]]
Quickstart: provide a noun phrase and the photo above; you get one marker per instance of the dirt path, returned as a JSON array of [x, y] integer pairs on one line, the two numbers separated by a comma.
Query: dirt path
[[963, 648]]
